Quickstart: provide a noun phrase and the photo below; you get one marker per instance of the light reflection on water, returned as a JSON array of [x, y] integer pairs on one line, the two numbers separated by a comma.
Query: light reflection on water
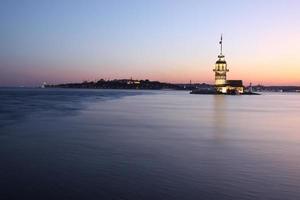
[[149, 145]]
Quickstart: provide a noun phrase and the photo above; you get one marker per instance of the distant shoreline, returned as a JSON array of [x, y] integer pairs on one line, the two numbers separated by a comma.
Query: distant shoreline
[[156, 85], [130, 84]]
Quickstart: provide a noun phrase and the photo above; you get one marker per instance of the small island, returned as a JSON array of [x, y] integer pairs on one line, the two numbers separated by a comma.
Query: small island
[[222, 85]]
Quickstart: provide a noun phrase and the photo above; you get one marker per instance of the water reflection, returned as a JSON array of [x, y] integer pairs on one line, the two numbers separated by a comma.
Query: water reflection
[[219, 117]]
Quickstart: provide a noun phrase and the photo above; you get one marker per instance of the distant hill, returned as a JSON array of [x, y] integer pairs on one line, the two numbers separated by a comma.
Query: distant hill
[[119, 84]]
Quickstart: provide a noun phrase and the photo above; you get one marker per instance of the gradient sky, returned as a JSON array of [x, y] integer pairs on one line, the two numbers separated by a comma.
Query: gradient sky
[[175, 41]]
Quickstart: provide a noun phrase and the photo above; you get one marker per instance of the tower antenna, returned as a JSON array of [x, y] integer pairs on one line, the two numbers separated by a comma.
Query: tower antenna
[[221, 43]]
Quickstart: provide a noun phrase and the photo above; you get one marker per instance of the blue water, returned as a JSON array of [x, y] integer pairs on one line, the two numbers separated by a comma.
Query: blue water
[[126, 144]]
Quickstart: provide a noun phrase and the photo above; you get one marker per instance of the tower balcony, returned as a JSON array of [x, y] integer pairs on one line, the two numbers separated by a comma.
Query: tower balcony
[[221, 70]]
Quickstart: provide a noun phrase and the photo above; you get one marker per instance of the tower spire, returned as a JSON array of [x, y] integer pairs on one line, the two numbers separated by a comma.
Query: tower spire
[[221, 44]]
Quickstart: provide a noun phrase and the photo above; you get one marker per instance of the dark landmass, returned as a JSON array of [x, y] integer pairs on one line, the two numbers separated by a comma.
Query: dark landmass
[[156, 85], [130, 84], [119, 84], [261, 88]]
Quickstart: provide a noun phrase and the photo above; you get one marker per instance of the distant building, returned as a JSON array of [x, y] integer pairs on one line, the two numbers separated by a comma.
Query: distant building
[[222, 85]]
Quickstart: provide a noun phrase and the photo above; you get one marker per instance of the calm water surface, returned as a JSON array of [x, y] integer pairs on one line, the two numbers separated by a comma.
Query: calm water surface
[[119, 144]]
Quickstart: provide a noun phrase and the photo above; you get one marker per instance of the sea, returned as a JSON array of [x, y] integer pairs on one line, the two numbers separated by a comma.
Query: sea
[[148, 145]]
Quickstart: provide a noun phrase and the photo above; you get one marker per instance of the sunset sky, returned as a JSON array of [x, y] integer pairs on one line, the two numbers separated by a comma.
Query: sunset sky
[[60, 41]]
